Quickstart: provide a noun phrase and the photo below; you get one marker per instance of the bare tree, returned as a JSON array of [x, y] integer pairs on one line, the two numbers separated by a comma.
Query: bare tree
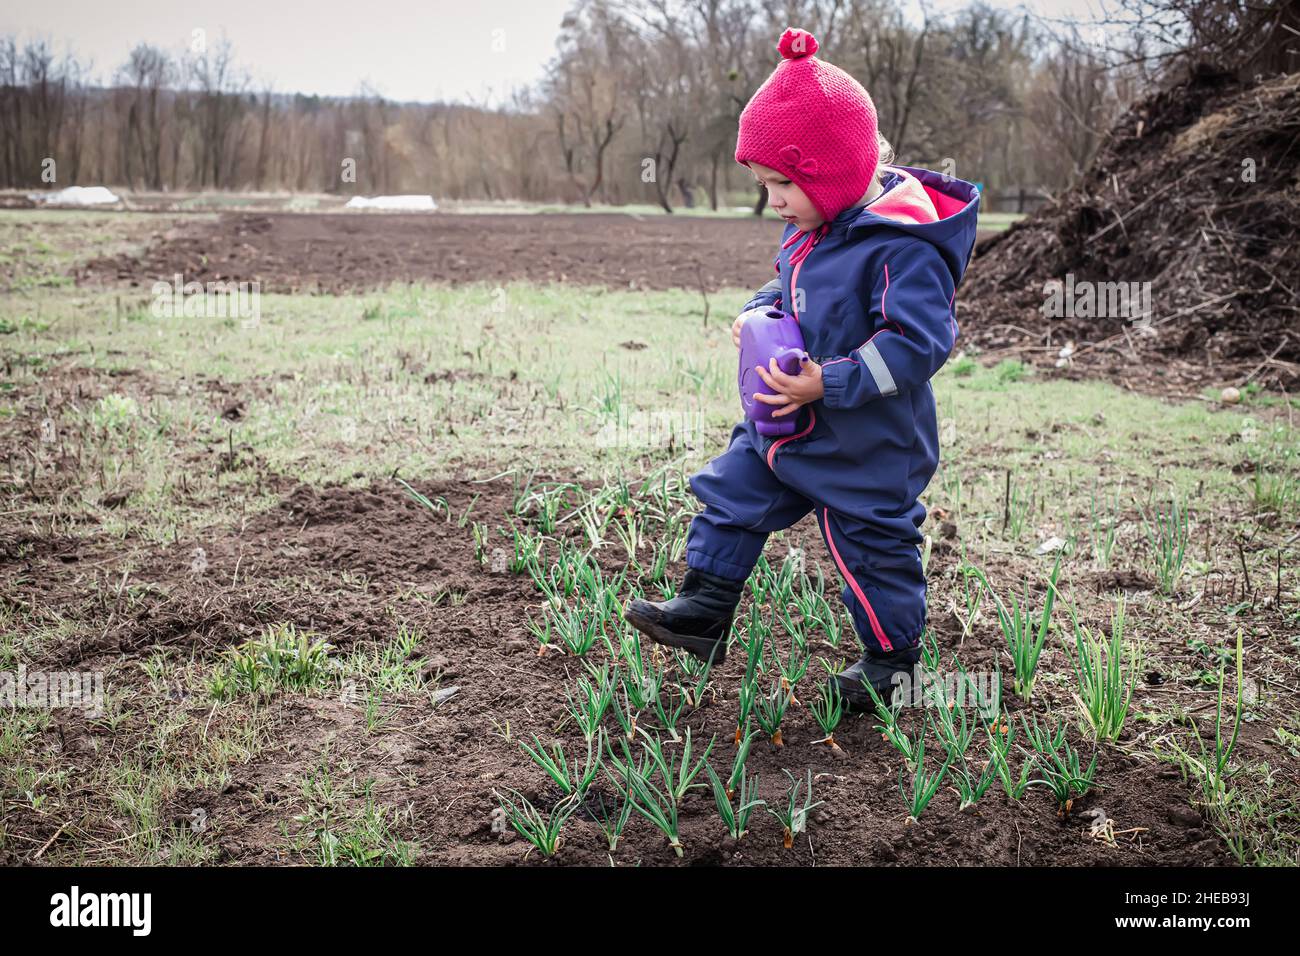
[[148, 73], [1244, 37], [892, 56], [667, 67], [263, 142], [1070, 106], [587, 90], [219, 86], [32, 101]]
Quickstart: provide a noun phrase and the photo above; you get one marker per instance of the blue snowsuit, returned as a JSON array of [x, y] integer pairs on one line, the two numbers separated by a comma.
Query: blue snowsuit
[[874, 292]]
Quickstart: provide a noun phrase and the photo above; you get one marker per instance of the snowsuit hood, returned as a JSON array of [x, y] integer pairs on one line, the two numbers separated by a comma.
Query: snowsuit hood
[[922, 204]]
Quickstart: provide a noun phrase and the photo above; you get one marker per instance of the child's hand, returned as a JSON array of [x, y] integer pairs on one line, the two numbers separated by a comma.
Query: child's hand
[[740, 320], [735, 329], [792, 391]]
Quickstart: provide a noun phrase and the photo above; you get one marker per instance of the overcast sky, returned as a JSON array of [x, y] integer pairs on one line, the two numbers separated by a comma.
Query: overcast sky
[[405, 49]]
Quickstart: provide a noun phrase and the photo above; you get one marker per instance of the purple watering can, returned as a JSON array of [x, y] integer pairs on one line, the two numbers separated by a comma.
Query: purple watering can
[[768, 334]]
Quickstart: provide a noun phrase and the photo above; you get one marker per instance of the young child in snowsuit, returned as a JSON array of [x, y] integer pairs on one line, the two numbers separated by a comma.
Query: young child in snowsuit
[[869, 265]]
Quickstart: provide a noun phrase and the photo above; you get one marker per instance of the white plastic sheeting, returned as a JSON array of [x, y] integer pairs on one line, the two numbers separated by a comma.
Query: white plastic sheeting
[[393, 203], [76, 196]]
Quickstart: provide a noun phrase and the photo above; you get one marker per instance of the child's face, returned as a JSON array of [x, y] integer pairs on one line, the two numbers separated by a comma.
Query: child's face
[[787, 199]]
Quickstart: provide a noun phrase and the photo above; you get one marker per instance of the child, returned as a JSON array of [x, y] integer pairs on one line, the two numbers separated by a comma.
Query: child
[[869, 265]]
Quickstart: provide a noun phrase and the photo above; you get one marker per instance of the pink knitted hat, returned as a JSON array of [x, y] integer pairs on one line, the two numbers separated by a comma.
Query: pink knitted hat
[[815, 124]]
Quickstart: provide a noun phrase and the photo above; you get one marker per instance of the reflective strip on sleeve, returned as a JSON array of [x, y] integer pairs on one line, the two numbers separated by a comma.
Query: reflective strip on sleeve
[[875, 362]]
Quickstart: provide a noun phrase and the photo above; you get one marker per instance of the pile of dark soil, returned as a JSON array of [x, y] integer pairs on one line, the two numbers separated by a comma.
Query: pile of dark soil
[[1196, 191]]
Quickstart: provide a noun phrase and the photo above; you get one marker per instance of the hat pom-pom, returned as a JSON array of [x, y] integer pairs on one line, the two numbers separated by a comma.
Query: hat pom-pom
[[795, 44]]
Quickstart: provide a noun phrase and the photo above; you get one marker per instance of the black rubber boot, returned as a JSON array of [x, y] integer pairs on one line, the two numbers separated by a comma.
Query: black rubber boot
[[879, 670], [697, 620]]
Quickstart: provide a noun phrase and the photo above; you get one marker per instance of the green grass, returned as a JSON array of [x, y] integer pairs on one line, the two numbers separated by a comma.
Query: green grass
[[335, 831], [440, 381], [283, 658], [436, 381], [115, 802], [38, 247], [1001, 221]]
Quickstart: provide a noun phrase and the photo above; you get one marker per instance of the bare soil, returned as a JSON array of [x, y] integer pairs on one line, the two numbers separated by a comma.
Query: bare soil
[[409, 564], [347, 253]]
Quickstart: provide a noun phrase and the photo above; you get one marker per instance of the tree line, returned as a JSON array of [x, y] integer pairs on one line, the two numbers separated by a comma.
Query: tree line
[[639, 104]]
